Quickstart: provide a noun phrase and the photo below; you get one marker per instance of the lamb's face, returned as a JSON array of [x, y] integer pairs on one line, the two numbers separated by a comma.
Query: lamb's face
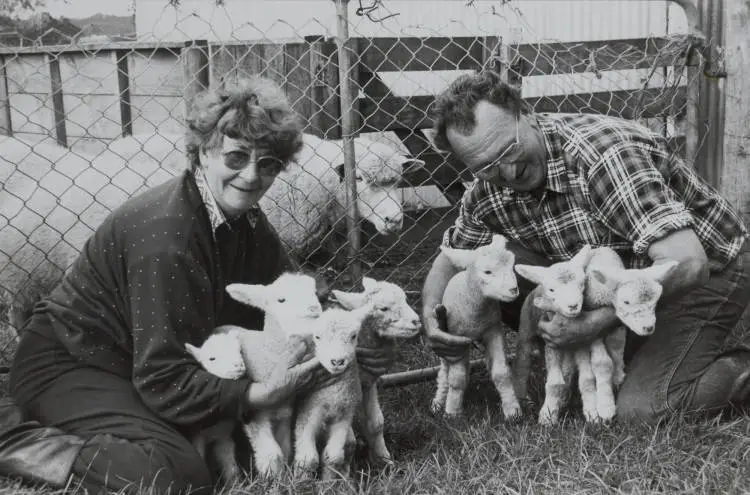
[[493, 268], [335, 336], [564, 287], [293, 297], [635, 304], [220, 355], [391, 314]]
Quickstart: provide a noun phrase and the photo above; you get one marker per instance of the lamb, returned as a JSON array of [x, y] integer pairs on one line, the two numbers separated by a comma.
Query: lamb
[[221, 355], [470, 299], [291, 307], [307, 203], [584, 282], [392, 320], [327, 413]]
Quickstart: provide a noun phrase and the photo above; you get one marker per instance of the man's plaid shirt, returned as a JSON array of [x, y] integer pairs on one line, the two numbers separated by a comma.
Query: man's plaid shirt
[[610, 182]]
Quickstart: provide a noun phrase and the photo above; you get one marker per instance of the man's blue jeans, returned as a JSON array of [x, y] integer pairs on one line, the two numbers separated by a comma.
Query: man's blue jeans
[[679, 367]]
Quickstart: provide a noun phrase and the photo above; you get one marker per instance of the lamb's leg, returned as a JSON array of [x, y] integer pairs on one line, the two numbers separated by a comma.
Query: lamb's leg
[[306, 459], [226, 458], [587, 384], [283, 432], [438, 402], [555, 387], [335, 461], [269, 458], [500, 372], [371, 421], [615, 343], [601, 365], [458, 380]]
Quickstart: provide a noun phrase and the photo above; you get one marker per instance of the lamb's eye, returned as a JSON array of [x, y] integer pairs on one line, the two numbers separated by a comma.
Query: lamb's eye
[[488, 272], [626, 301], [383, 309], [551, 290], [212, 359], [359, 179], [353, 338], [282, 299], [317, 337]]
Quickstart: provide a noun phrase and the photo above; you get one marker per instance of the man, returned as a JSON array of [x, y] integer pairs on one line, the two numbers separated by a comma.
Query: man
[[553, 182]]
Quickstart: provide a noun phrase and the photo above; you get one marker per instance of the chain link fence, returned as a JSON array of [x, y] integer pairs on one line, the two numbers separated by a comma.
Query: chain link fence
[[88, 125]]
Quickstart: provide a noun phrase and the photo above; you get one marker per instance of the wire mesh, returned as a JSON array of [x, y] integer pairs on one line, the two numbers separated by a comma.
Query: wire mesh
[[89, 125]]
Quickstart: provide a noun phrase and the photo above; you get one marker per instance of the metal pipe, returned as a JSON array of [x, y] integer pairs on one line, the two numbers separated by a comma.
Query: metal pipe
[[347, 129], [421, 375]]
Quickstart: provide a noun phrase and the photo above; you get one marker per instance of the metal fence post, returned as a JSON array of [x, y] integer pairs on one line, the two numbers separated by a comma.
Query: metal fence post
[[343, 44]]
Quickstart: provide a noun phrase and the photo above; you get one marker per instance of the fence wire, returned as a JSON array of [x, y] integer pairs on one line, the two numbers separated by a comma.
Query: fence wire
[[89, 125]]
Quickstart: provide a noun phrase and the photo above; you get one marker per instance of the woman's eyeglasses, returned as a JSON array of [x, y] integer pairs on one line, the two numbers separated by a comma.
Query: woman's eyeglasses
[[494, 168], [266, 165]]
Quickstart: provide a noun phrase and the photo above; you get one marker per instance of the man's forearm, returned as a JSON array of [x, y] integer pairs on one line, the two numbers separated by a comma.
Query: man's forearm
[[435, 283]]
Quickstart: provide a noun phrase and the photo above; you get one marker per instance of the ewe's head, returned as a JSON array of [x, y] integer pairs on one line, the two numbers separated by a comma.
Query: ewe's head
[[390, 315], [637, 292], [335, 336], [489, 266], [379, 170], [290, 298], [220, 355], [563, 283]]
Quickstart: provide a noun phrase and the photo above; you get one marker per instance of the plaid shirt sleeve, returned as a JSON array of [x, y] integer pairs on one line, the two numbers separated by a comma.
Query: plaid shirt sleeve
[[629, 195], [468, 232]]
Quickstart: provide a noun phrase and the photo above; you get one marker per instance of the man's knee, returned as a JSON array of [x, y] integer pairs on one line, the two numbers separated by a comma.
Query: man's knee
[[131, 466]]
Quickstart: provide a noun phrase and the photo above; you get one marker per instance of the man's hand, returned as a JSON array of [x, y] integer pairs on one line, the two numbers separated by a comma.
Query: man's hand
[[377, 361], [447, 346], [560, 331]]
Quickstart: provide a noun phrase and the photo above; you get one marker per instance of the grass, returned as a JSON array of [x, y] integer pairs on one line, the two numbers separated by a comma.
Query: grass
[[482, 454]]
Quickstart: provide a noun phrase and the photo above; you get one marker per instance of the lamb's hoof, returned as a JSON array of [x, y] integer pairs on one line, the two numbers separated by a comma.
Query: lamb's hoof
[[304, 473], [381, 462], [548, 419], [513, 414], [437, 408], [454, 417]]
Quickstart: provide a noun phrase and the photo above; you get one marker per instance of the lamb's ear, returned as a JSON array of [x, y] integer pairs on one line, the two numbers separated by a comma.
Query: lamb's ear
[[409, 165], [250, 294], [349, 300], [661, 271], [369, 284], [460, 258], [583, 255], [499, 241], [531, 272], [603, 274], [194, 351]]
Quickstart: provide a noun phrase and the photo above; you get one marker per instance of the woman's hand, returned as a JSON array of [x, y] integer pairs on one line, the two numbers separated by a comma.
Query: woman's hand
[[377, 361], [561, 331], [449, 347]]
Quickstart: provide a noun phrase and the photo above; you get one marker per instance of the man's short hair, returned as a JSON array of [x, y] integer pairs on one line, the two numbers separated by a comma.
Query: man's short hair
[[455, 105], [254, 109]]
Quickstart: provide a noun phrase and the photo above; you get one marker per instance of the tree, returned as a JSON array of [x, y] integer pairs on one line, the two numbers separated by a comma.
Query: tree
[[13, 7]]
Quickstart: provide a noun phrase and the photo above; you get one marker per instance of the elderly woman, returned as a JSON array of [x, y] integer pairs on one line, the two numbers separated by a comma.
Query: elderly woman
[[104, 386]]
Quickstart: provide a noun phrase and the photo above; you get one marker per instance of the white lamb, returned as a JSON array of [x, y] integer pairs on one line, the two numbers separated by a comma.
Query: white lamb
[[221, 355], [392, 320], [306, 203], [291, 308], [582, 283], [325, 415], [471, 300]]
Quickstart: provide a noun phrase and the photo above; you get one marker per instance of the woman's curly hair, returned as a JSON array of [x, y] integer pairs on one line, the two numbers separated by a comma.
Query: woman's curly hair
[[455, 105], [254, 109]]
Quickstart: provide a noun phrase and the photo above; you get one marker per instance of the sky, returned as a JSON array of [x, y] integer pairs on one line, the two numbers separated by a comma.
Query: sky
[[86, 8]]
